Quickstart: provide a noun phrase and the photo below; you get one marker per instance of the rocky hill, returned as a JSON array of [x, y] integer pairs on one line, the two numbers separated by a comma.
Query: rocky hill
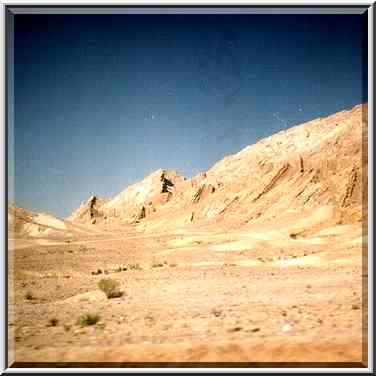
[[89, 211], [26, 224], [136, 202], [316, 165], [22, 222], [312, 170]]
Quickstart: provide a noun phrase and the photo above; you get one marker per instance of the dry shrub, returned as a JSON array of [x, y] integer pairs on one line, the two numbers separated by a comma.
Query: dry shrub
[[88, 319], [53, 322], [29, 295], [110, 287]]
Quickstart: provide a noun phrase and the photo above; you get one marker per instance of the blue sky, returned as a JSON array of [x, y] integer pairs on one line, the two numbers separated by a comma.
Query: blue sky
[[103, 100]]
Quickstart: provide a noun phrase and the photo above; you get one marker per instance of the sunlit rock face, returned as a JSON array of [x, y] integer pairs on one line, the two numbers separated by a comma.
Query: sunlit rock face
[[298, 170]]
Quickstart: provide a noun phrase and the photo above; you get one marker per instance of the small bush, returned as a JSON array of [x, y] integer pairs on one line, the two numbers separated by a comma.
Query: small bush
[[29, 295], [157, 265], [88, 319], [53, 322], [110, 287]]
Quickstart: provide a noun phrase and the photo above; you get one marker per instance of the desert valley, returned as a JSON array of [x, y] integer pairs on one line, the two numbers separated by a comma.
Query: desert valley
[[262, 258]]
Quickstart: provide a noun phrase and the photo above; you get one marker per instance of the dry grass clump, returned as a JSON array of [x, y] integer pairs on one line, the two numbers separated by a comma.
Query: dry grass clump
[[157, 265], [110, 287], [88, 319]]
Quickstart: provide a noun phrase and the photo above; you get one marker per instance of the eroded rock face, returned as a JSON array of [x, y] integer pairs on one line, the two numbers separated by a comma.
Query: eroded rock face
[[295, 172], [202, 192], [134, 203], [313, 165], [89, 211]]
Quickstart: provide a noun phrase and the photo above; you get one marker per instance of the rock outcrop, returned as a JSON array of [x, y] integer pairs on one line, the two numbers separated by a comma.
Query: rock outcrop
[[89, 211], [134, 203], [319, 164]]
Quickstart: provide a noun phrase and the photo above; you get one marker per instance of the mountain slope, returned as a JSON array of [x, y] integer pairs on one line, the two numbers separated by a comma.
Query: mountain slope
[[134, 202], [24, 223], [89, 211], [311, 173], [309, 166]]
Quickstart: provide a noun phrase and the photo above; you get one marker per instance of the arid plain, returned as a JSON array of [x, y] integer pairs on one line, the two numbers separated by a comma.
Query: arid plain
[[262, 258]]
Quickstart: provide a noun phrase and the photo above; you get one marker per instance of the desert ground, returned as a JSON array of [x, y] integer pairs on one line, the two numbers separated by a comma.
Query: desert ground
[[190, 297], [261, 259]]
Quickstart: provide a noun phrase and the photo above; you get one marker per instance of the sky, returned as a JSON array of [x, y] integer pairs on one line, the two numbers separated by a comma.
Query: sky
[[101, 101]]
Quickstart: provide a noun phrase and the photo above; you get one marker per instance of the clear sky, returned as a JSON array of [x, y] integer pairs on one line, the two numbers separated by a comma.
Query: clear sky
[[103, 100]]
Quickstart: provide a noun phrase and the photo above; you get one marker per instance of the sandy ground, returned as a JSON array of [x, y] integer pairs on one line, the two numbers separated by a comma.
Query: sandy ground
[[189, 297]]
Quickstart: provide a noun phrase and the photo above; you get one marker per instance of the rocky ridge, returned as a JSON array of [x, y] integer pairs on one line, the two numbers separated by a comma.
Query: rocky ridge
[[315, 170], [315, 165]]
